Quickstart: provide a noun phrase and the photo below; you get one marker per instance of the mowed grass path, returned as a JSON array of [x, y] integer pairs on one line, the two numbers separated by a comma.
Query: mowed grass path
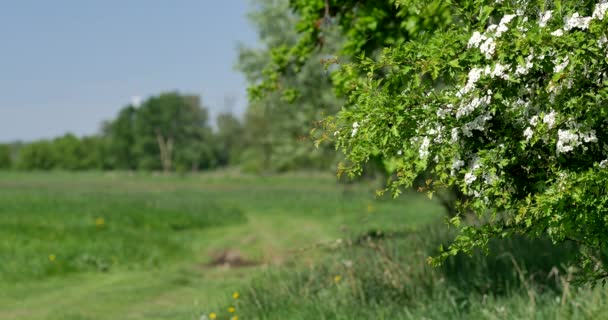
[[131, 246]]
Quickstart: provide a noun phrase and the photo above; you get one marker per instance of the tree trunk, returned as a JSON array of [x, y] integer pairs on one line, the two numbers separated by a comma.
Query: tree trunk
[[166, 152]]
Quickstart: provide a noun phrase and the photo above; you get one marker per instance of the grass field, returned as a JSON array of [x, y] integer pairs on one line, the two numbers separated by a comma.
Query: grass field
[[300, 246], [119, 246]]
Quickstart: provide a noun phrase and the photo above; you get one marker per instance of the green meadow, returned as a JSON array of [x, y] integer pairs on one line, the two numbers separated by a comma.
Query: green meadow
[[299, 246]]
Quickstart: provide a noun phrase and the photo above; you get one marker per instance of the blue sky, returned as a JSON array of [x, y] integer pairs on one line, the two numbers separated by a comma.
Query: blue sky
[[67, 65]]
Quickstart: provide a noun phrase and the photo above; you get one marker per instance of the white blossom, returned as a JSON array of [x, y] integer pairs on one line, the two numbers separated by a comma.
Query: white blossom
[[443, 112], [588, 136], [549, 119], [600, 10], [454, 135], [524, 69], [528, 133], [557, 33], [424, 148], [489, 178], [566, 141], [507, 18], [457, 164], [488, 48], [468, 108], [576, 21], [601, 42], [479, 124], [469, 178], [544, 18], [476, 39], [559, 67], [534, 121], [474, 76], [604, 164], [499, 71], [355, 129]]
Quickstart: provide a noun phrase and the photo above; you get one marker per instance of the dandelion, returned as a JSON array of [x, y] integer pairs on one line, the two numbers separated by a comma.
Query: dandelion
[[370, 208], [236, 295], [52, 257], [100, 222], [231, 309], [212, 316], [337, 279], [235, 318]]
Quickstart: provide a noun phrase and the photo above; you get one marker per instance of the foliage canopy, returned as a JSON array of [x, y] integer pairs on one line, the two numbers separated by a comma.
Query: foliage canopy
[[504, 100]]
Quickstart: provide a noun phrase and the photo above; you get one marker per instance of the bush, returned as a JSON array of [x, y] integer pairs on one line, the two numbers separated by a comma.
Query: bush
[[5, 157]]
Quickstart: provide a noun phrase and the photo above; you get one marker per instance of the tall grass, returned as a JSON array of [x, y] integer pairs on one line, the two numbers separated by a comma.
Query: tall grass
[[386, 277]]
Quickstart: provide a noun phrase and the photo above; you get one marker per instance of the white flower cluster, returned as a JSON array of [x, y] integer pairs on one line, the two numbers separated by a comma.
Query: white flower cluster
[[524, 69], [485, 42], [549, 119], [467, 108], [355, 129], [560, 66], [600, 10], [479, 124], [544, 18], [424, 148], [456, 165], [470, 176], [576, 21], [567, 140], [528, 133], [499, 71]]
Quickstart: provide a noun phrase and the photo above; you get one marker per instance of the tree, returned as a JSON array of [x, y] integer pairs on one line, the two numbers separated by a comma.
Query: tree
[[120, 135], [167, 125], [37, 155], [68, 152], [277, 132], [228, 139], [5, 156], [507, 103]]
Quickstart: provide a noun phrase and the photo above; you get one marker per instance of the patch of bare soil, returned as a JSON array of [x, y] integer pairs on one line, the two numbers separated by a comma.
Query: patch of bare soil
[[231, 258]]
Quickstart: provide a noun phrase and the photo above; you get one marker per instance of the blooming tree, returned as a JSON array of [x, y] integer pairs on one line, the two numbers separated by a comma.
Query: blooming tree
[[508, 103]]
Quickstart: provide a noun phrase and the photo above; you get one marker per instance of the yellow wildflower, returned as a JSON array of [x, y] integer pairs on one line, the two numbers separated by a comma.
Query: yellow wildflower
[[231, 309], [212, 315], [100, 222], [337, 279], [52, 257], [370, 208], [235, 318], [236, 295]]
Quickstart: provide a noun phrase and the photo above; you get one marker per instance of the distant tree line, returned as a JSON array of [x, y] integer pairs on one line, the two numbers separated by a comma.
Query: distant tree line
[[168, 132], [171, 132]]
